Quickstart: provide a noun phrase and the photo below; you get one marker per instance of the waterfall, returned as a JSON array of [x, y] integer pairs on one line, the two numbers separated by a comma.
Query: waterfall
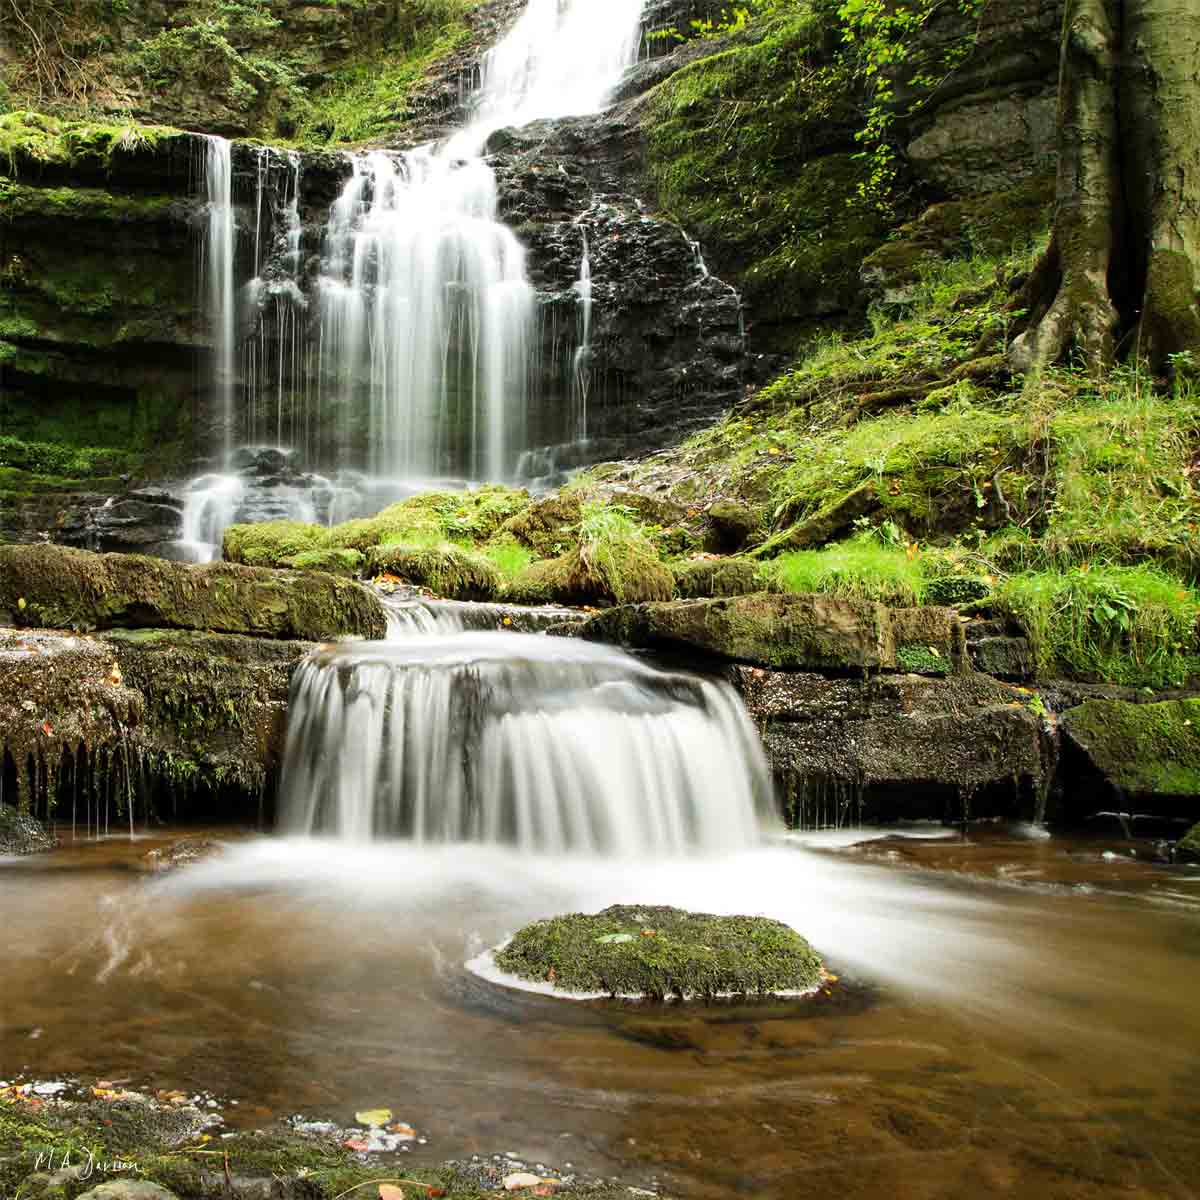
[[581, 370], [552, 745], [426, 306], [218, 273]]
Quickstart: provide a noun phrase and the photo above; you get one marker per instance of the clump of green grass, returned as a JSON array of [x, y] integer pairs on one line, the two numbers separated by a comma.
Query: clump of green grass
[[617, 558], [1128, 625], [508, 556], [371, 96], [864, 567]]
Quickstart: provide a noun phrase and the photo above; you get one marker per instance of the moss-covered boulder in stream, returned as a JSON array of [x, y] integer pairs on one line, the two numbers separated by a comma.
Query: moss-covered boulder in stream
[[20, 833], [631, 950], [1188, 847], [59, 588], [1145, 751]]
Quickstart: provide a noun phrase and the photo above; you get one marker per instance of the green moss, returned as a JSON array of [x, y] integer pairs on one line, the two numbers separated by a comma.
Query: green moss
[[63, 461], [751, 147], [272, 543], [20, 203], [33, 139], [1142, 749], [612, 561], [659, 952], [336, 562], [270, 1160], [921, 660]]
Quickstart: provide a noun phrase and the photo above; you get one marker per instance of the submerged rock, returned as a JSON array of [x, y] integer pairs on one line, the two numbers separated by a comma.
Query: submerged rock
[[60, 588], [1144, 751], [20, 833], [657, 952]]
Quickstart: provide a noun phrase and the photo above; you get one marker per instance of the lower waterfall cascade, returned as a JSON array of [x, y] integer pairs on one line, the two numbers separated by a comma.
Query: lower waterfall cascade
[[552, 745]]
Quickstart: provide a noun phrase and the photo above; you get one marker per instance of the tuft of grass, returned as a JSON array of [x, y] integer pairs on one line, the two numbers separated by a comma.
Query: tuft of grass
[[617, 558], [509, 557], [863, 568], [1128, 625]]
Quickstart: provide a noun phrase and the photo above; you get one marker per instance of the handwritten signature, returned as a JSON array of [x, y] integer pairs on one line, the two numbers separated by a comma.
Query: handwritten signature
[[87, 1166]]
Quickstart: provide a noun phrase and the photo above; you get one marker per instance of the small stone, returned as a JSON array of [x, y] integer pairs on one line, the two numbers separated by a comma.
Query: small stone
[[519, 1180]]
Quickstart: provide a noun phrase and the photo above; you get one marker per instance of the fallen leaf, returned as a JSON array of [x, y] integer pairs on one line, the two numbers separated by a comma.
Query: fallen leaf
[[389, 1191], [356, 1144], [21, 603], [374, 1117], [46, 728]]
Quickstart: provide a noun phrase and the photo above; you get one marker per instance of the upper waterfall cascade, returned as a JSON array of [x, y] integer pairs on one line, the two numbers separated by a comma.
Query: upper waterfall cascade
[[420, 345], [552, 745]]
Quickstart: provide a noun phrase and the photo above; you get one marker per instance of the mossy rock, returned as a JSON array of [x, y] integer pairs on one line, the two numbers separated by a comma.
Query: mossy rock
[[658, 952], [448, 571], [791, 632], [729, 526], [59, 588], [1188, 847], [574, 579], [548, 526], [271, 543], [1144, 750], [713, 577], [20, 833]]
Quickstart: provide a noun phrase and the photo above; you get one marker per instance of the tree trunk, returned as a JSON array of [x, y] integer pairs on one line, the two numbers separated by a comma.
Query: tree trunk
[[1122, 272]]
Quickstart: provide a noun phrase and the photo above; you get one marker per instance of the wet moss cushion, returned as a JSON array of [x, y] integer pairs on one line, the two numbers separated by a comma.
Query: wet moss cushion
[[646, 951]]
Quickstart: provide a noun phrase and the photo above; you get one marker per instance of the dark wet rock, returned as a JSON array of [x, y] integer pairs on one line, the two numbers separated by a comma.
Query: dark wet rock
[[1006, 657], [898, 746], [1146, 753], [730, 525], [20, 833], [631, 950], [808, 632], [60, 588]]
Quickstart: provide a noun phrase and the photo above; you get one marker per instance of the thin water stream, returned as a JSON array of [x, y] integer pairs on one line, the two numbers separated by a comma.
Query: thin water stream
[[1011, 1018]]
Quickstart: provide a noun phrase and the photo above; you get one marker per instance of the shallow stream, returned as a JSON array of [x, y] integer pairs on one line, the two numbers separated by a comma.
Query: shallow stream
[[1011, 1016]]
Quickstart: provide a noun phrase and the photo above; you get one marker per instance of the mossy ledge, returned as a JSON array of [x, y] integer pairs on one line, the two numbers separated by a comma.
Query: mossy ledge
[[59, 588], [1143, 750], [656, 952]]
